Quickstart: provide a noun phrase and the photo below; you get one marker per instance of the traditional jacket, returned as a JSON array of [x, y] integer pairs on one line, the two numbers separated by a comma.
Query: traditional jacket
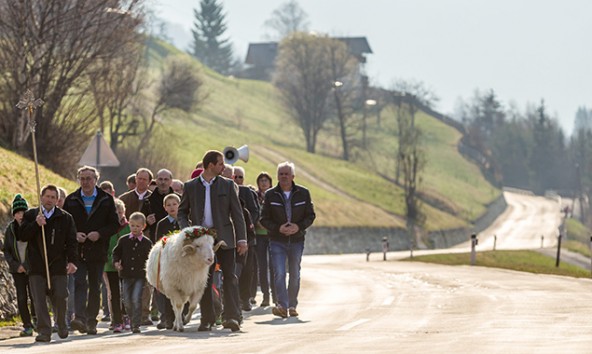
[[11, 249], [274, 212], [60, 238], [102, 218]]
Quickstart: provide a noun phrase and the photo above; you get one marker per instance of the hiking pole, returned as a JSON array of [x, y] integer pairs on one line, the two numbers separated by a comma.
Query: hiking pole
[[29, 102]]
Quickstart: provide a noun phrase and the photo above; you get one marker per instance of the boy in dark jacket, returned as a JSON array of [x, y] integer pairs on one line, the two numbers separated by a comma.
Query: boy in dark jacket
[[129, 257], [15, 252]]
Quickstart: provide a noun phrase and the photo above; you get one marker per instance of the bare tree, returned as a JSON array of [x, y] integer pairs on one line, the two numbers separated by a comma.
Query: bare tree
[[47, 46], [114, 83], [178, 88], [410, 157], [409, 98], [288, 18], [346, 84], [304, 80]]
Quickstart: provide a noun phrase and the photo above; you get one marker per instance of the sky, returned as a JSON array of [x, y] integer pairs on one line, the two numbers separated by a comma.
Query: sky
[[525, 50]]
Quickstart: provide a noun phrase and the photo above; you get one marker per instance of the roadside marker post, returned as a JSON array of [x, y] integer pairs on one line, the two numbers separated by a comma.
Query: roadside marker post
[[494, 241], [591, 257], [474, 242], [558, 250]]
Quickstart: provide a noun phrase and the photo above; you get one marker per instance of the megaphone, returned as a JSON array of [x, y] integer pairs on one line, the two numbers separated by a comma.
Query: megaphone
[[232, 154]]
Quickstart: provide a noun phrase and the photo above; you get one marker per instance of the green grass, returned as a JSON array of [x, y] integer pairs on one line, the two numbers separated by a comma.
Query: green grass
[[523, 261], [238, 112], [17, 175], [577, 231], [15, 321], [578, 238]]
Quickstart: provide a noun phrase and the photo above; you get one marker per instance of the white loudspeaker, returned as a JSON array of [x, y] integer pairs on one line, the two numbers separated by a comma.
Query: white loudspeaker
[[232, 154]]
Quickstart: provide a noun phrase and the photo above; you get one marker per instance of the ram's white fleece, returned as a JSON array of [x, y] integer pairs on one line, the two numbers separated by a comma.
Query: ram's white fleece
[[184, 266]]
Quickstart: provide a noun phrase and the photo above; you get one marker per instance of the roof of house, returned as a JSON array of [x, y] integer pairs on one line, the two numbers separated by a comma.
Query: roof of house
[[263, 54], [356, 45]]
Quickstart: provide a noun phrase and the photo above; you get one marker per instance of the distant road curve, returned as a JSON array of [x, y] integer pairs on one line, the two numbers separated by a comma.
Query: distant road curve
[[521, 225]]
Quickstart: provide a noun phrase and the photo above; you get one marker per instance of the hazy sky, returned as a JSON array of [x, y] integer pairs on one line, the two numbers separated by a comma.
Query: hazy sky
[[526, 50]]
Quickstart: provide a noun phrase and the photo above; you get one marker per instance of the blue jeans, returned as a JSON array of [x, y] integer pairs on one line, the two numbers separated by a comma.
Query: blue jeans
[[132, 298], [87, 292], [281, 251]]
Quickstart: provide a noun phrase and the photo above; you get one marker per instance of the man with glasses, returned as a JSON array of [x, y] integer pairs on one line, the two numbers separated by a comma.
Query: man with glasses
[[249, 267], [286, 213], [96, 220]]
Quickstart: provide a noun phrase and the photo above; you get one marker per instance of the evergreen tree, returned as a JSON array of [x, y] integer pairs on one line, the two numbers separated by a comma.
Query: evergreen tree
[[583, 119], [208, 45]]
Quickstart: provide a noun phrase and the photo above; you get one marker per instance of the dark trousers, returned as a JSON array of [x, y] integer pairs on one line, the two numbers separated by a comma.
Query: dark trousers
[[115, 297], [226, 258], [255, 277], [165, 307], [246, 276], [23, 293], [132, 297], [105, 298], [265, 267], [58, 297], [87, 291]]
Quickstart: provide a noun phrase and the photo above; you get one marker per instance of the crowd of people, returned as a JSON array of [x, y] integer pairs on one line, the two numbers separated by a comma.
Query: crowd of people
[[78, 252]]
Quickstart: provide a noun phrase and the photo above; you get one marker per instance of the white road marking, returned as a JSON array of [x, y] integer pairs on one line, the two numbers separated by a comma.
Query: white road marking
[[388, 301], [349, 326]]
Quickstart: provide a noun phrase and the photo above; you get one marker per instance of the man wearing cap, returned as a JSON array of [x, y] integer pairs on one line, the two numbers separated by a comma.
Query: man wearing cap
[[15, 253], [50, 223]]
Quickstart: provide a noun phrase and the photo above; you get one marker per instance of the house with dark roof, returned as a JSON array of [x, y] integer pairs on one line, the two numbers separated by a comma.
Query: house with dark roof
[[261, 56]]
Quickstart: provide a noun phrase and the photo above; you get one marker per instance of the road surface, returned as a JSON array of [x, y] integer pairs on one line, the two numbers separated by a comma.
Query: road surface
[[348, 305], [522, 224]]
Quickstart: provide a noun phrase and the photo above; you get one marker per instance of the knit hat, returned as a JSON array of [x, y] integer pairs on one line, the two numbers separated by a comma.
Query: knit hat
[[19, 203]]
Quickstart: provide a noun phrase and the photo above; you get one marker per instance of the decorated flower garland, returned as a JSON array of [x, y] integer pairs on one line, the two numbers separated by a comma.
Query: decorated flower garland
[[192, 234], [199, 231]]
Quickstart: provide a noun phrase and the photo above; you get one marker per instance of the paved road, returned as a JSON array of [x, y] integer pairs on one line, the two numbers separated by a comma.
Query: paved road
[[524, 221], [349, 305], [352, 306]]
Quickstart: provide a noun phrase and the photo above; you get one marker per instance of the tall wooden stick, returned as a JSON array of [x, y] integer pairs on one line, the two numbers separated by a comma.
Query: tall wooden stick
[[29, 102]]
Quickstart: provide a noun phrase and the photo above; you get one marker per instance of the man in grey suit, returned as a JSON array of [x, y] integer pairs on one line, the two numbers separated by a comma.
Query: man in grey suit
[[211, 201]]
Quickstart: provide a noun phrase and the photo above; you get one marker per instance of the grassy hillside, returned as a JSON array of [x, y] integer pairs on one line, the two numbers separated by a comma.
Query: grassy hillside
[[17, 175], [346, 194], [239, 112]]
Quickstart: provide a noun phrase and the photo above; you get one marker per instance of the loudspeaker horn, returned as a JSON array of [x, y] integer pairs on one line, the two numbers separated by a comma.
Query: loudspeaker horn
[[232, 154]]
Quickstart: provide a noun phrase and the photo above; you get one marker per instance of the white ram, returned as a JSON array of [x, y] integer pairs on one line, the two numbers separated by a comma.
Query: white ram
[[178, 267]]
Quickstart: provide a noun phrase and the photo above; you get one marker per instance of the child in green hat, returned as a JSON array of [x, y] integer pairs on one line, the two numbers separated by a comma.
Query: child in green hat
[[15, 253]]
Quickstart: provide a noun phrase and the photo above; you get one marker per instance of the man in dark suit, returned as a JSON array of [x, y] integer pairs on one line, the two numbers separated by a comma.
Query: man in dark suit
[[212, 201], [248, 273]]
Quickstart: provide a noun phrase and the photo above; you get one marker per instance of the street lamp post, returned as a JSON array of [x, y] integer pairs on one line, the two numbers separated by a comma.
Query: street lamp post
[[368, 103]]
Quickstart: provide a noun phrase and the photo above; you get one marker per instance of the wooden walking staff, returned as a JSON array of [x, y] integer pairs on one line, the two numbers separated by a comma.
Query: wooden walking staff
[[29, 102]]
